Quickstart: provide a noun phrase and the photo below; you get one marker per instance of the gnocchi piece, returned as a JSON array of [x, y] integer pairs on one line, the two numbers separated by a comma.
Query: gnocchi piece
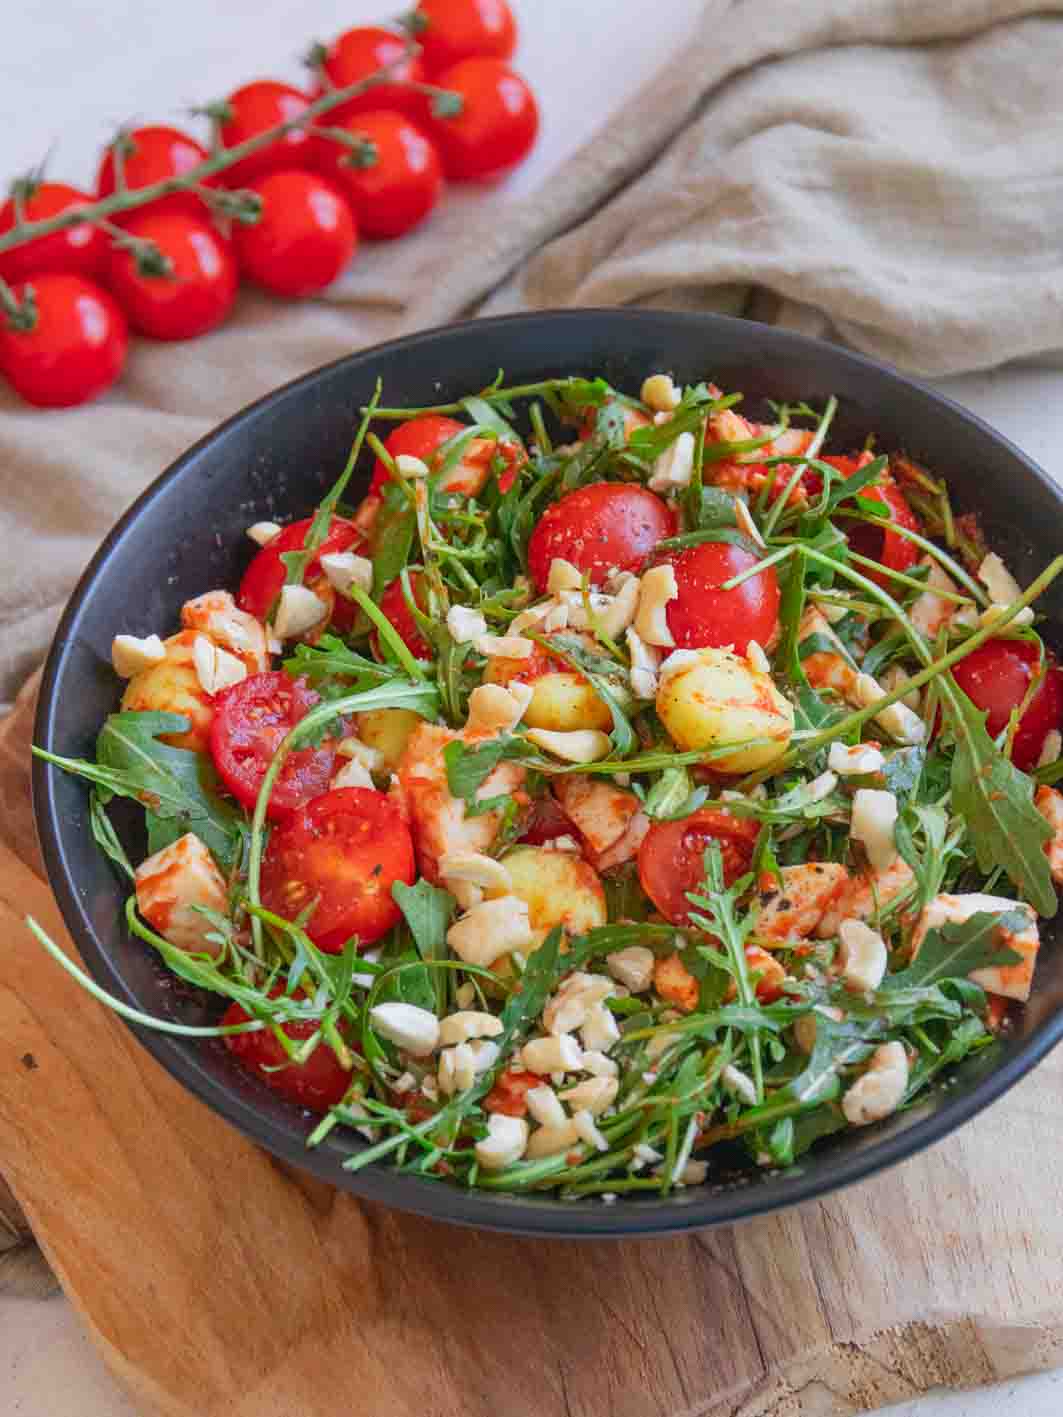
[[170, 884], [388, 731], [559, 888], [173, 687], [719, 700], [562, 701]]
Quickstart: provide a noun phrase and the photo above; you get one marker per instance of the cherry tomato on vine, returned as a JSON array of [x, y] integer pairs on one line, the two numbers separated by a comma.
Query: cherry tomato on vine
[[597, 527], [76, 347], [497, 125], [704, 616], [80, 250], [393, 604], [303, 238], [197, 293], [672, 855], [392, 180], [996, 677], [344, 850], [254, 109], [250, 720], [265, 576], [877, 542], [151, 155], [449, 31], [359, 52], [317, 1084], [416, 438]]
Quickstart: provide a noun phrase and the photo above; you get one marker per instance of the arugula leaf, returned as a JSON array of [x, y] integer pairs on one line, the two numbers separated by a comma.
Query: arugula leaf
[[104, 834], [392, 536], [954, 950], [428, 912], [837, 1046], [623, 736], [529, 994], [329, 657], [930, 824], [673, 796], [469, 768], [792, 1136], [485, 416], [995, 800]]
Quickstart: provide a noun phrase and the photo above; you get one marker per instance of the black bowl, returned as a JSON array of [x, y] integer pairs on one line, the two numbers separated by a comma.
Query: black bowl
[[186, 535]]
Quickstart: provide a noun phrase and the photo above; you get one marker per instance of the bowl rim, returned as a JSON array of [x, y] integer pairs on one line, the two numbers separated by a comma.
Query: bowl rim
[[536, 1214]]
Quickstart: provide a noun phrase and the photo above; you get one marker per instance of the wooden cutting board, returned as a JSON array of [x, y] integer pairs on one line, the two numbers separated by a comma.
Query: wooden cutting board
[[214, 1281]]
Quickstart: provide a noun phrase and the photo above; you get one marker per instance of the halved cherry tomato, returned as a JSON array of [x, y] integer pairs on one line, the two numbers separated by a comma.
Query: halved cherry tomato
[[705, 616], [254, 109], [394, 607], [416, 438], [392, 180], [996, 676], [77, 345], [672, 857], [509, 1093], [359, 52], [497, 125], [250, 720], [598, 527], [877, 542], [151, 155], [264, 578], [317, 1084], [546, 821], [80, 250], [304, 237], [198, 292], [451, 30], [342, 853]]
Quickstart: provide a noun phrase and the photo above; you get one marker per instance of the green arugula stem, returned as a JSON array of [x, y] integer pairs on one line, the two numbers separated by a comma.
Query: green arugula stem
[[779, 505], [947, 562]]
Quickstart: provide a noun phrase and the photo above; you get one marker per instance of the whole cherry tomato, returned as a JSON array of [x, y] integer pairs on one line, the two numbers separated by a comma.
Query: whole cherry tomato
[[672, 857], [392, 180], [359, 52], [254, 109], [877, 542], [416, 438], [197, 292], [80, 250], [76, 347], [705, 616], [250, 720], [996, 677], [303, 238], [393, 604], [344, 851], [497, 125], [597, 527], [317, 1084], [150, 155], [265, 576], [451, 30]]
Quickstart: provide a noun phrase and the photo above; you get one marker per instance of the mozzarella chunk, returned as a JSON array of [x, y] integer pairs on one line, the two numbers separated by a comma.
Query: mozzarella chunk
[[1051, 748], [544, 1106], [856, 761], [465, 625], [879, 1091], [370, 758], [1013, 981], [557, 888], [563, 575], [657, 588], [897, 719], [1049, 802], [595, 1095], [930, 612], [549, 1141], [874, 816], [505, 646], [599, 1065], [262, 533], [861, 896], [490, 930], [173, 687], [466, 1024], [600, 1029], [216, 668], [353, 773], [344, 569], [406, 465], [645, 662], [633, 967], [660, 393], [746, 524], [129, 654], [474, 867], [1003, 588], [172, 883], [567, 1010], [587, 1130], [720, 700], [414, 1030], [826, 668], [494, 709], [739, 1084], [585, 745], [298, 610], [862, 955], [556, 1054], [675, 466], [793, 911], [217, 615], [504, 1144]]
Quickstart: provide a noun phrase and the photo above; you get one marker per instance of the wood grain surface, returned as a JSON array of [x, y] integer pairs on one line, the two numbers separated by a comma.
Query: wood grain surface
[[217, 1282]]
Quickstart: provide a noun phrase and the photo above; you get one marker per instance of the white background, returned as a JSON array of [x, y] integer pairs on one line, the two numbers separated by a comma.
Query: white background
[[71, 71]]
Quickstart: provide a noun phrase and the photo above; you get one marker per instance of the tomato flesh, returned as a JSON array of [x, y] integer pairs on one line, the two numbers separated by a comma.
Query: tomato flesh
[[672, 857], [342, 852], [198, 293], [80, 250], [996, 677], [393, 606], [509, 1094], [304, 236], [155, 153], [317, 1084], [401, 179], [877, 542], [451, 30], [416, 438], [254, 109], [597, 528], [76, 348], [705, 616], [497, 125], [264, 578], [546, 822], [250, 721]]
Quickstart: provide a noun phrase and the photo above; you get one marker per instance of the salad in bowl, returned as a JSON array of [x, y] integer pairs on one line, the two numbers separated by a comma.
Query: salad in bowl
[[620, 783]]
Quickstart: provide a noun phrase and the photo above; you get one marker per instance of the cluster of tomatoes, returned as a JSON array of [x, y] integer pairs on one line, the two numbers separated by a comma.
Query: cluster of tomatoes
[[374, 165]]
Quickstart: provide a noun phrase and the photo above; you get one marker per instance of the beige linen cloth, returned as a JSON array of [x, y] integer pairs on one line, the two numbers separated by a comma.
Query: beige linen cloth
[[889, 172]]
